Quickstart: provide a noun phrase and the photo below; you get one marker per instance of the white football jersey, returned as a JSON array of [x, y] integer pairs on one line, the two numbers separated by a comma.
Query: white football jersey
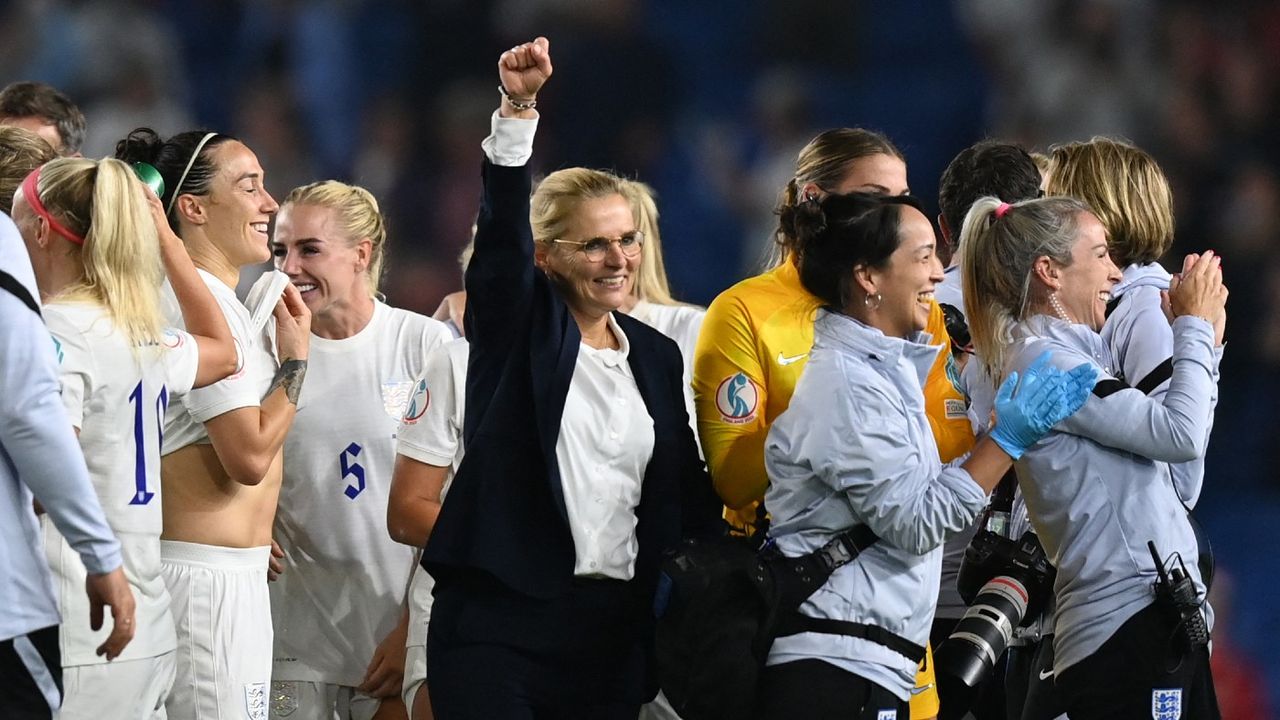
[[681, 323], [256, 366], [117, 394], [345, 579], [431, 433]]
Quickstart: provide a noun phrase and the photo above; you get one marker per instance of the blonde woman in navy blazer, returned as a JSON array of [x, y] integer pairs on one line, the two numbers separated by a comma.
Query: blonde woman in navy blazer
[[546, 555]]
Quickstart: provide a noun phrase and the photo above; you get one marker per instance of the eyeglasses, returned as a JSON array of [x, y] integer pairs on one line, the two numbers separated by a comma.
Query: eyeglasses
[[596, 248]]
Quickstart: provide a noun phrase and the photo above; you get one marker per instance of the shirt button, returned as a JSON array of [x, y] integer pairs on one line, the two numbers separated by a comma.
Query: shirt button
[[613, 436], [622, 401]]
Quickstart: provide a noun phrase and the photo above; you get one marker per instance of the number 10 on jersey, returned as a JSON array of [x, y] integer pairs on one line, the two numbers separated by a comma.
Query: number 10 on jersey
[[142, 495]]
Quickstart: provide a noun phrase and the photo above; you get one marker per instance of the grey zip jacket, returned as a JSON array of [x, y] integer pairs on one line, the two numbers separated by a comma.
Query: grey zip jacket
[[1098, 487], [855, 447]]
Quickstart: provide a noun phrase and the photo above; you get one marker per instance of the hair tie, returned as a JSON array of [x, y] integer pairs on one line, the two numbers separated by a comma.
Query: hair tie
[[31, 194], [1002, 209], [182, 178]]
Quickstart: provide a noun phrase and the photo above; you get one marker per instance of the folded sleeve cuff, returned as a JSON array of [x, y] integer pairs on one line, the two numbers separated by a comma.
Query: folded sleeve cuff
[[510, 141]]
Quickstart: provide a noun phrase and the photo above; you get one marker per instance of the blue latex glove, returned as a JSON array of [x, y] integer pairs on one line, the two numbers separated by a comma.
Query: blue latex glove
[[1045, 397]]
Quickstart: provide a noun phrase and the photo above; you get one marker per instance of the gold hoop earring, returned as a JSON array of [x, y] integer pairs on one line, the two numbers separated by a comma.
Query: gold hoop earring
[[872, 301]]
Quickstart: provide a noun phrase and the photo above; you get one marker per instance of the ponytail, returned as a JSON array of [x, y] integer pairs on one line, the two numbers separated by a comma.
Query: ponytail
[[999, 244], [120, 261], [840, 233]]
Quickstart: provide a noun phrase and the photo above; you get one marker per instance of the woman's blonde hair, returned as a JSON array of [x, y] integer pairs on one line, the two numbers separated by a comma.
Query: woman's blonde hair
[[103, 202], [358, 217], [1125, 188], [21, 151], [1042, 162], [559, 194], [651, 284], [997, 255]]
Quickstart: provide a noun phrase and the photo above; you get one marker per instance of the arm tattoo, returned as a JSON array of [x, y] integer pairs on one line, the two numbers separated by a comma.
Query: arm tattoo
[[289, 376]]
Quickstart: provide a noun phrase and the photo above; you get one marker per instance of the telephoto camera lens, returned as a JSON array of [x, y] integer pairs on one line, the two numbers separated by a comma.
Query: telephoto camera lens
[[982, 635]]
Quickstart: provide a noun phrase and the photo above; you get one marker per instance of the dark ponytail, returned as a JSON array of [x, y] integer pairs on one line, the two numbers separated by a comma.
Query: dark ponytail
[[171, 157], [834, 236]]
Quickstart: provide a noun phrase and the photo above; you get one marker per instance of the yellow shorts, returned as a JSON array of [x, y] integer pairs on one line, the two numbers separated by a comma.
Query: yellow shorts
[[924, 697]]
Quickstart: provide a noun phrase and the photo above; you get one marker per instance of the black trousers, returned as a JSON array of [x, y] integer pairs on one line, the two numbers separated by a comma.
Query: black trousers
[[1029, 682], [1139, 673], [31, 666], [815, 690], [496, 655]]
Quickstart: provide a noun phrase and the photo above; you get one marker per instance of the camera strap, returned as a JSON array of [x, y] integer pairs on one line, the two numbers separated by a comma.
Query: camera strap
[[797, 623], [18, 290], [798, 578]]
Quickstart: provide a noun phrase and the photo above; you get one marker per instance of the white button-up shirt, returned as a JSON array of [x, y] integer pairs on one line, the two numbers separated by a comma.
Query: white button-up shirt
[[606, 441]]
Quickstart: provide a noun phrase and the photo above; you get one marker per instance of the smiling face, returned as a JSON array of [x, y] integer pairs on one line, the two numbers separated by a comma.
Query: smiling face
[[593, 288], [327, 267], [1084, 286], [238, 206], [907, 281]]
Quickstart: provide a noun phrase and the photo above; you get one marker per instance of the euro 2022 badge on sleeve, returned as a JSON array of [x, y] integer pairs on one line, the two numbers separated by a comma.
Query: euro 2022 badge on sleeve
[[417, 404], [1166, 704], [737, 399]]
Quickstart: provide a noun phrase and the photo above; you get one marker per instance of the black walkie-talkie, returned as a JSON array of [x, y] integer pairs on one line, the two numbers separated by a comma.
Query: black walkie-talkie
[[1176, 591]]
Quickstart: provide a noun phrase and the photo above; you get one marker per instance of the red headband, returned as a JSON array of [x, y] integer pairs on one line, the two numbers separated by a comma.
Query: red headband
[[32, 195]]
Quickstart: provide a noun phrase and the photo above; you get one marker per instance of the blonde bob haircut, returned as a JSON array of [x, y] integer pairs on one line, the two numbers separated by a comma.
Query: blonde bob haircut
[[358, 218], [558, 196], [21, 151], [119, 262], [1126, 190], [997, 255]]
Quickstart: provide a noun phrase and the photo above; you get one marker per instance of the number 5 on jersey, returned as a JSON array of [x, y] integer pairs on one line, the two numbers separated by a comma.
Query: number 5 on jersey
[[352, 470]]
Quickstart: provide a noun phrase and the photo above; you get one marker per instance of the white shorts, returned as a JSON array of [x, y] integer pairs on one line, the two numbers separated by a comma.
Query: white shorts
[[123, 689], [303, 700], [223, 616], [415, 673]]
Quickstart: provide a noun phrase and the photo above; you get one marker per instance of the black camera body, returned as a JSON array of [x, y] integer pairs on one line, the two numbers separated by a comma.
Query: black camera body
[[990, 556], [1005, 582]]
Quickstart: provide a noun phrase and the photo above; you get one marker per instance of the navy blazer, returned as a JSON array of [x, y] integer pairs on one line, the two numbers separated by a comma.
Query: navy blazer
[[505, 516]]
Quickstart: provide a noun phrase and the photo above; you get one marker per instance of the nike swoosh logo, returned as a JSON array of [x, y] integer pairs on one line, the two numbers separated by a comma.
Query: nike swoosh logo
[[921, 688], [1045, 675], [783, 360]]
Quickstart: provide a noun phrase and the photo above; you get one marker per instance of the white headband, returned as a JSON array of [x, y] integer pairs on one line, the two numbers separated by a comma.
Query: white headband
[[177, 188]]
